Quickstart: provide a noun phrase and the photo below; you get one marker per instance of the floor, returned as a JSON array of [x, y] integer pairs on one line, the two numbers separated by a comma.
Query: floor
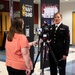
[[70, 68]]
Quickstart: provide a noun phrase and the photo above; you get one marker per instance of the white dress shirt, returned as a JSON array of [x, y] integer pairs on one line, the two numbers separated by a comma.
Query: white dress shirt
[[57, 25]]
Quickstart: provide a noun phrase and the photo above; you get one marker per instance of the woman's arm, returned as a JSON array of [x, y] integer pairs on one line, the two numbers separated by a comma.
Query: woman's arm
[[33, 43], [26, 56], [27, 59]]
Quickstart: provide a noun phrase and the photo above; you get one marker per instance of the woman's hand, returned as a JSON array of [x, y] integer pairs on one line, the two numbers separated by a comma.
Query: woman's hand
[[28, 71], [34, 43]]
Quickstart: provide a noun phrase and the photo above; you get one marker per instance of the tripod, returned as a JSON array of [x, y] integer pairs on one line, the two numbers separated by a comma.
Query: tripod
[[43, 52], [43, 56], [43, 47]]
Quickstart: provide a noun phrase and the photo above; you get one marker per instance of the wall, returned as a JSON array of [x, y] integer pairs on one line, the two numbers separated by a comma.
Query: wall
[[66, 9], [16, 7], [35, 13], [35, 20]]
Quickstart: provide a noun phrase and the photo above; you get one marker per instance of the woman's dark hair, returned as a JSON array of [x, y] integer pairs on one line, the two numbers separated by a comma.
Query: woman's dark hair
[[16, 27]]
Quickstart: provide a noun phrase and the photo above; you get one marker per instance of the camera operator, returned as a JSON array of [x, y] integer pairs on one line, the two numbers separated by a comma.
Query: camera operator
[[59, 42]]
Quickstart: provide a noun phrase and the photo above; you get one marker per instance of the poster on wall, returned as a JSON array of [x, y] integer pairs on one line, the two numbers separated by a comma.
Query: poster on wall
[[48, 10], [26, 12]]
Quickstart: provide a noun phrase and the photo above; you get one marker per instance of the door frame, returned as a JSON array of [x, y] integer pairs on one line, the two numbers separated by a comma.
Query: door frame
[[73, 28]]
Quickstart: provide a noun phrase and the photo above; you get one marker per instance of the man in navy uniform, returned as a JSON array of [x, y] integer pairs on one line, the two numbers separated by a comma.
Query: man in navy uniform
[[59, 42]]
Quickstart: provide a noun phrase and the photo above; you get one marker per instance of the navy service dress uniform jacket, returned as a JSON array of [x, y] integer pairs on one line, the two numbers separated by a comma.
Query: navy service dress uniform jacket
[[60, 41]]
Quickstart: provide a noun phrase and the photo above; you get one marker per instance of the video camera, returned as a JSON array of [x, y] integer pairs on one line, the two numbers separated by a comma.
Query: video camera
[[43, 32]]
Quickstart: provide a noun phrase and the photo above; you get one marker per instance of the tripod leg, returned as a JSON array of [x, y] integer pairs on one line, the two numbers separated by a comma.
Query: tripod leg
[[35, 62], [54, 56], [41, 73], [36, 58], [43, 57]]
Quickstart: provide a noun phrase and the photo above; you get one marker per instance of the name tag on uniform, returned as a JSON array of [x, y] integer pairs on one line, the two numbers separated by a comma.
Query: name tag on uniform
[[62, 29]]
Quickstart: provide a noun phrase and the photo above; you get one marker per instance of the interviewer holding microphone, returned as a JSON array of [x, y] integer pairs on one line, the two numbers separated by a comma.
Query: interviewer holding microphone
[[17, 47]]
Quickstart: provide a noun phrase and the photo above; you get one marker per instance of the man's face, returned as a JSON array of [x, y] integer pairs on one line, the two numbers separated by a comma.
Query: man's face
[[57, 19]]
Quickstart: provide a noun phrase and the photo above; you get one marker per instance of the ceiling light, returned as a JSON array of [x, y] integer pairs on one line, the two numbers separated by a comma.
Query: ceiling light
[[66, 0]]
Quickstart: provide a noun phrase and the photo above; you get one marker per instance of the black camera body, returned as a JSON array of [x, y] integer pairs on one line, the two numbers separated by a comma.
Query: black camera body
[[43, 32]]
